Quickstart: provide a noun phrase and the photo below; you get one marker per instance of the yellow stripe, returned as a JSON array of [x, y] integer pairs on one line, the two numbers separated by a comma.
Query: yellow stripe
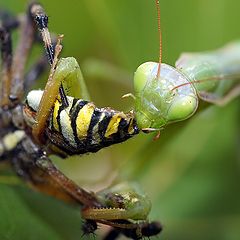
[[55, 114], [130, 128], [83, 120], [113, 124]]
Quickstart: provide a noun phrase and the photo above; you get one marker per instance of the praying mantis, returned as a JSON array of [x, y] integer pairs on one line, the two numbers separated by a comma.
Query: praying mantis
[[143, 108]]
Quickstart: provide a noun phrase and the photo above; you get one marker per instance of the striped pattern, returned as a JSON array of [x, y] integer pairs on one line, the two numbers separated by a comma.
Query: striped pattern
[[82, 127]]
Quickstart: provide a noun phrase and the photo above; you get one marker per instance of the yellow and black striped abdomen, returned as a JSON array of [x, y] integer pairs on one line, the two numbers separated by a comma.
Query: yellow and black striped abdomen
[[82, 127]]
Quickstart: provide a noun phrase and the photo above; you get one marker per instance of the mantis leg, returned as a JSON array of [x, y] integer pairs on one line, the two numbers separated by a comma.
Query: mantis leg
[[220, 101], [49, 97], [106, 213]]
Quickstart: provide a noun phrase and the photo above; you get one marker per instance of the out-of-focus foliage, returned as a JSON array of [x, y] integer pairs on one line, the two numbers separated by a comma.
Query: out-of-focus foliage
[[192, 172]]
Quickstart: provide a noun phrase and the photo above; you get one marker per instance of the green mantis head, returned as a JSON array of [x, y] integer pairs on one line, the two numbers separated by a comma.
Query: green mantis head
[[158, 100]]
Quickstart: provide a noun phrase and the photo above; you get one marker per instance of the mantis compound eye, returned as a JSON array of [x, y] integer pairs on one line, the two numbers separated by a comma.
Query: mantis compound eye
[[159, 101]]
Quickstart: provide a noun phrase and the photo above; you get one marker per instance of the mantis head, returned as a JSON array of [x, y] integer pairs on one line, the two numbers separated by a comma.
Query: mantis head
[[159, 100]]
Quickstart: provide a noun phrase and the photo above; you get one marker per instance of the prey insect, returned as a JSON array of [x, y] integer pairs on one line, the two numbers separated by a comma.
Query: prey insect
[[62, 120]]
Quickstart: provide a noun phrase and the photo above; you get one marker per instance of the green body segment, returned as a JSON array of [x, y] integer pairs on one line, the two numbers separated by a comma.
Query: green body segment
[[212, 65], [70, 75], [174, 95]]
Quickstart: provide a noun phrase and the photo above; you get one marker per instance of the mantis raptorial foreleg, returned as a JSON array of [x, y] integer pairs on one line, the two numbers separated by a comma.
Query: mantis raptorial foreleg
[[65, 75]]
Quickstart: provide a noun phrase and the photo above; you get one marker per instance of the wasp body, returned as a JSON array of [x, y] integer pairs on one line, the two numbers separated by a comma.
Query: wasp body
[[81, 127]]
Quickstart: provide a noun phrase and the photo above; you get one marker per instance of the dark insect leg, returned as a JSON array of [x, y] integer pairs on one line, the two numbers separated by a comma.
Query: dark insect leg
[[133, 230], [112, 235], [6, 54], [89, 227], [20, 57], [41, 19]]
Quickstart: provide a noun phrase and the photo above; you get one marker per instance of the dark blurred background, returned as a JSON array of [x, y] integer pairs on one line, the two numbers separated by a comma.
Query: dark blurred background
[[192, 173]]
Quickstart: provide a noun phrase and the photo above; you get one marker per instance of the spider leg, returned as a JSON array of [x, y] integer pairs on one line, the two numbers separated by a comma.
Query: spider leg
[[6, 54]]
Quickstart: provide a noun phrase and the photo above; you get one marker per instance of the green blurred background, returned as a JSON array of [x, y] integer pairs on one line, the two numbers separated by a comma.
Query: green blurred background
[[192, 173]]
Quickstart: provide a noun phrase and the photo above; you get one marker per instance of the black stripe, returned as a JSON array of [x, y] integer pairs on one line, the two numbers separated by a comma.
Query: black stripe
[[77, 106], [94, 120], [61, 108], [102, 126], [123, 127], [63, 97], [73, 106]]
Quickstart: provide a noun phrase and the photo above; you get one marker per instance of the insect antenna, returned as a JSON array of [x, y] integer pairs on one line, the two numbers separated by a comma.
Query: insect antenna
[[214, 78], [160, 38]]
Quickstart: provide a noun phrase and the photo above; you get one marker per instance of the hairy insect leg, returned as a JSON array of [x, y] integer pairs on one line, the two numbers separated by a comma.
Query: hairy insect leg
[[220, 101], [6, 54]]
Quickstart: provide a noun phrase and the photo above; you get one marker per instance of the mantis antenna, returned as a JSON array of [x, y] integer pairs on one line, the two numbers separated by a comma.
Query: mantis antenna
[[160, 38]]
